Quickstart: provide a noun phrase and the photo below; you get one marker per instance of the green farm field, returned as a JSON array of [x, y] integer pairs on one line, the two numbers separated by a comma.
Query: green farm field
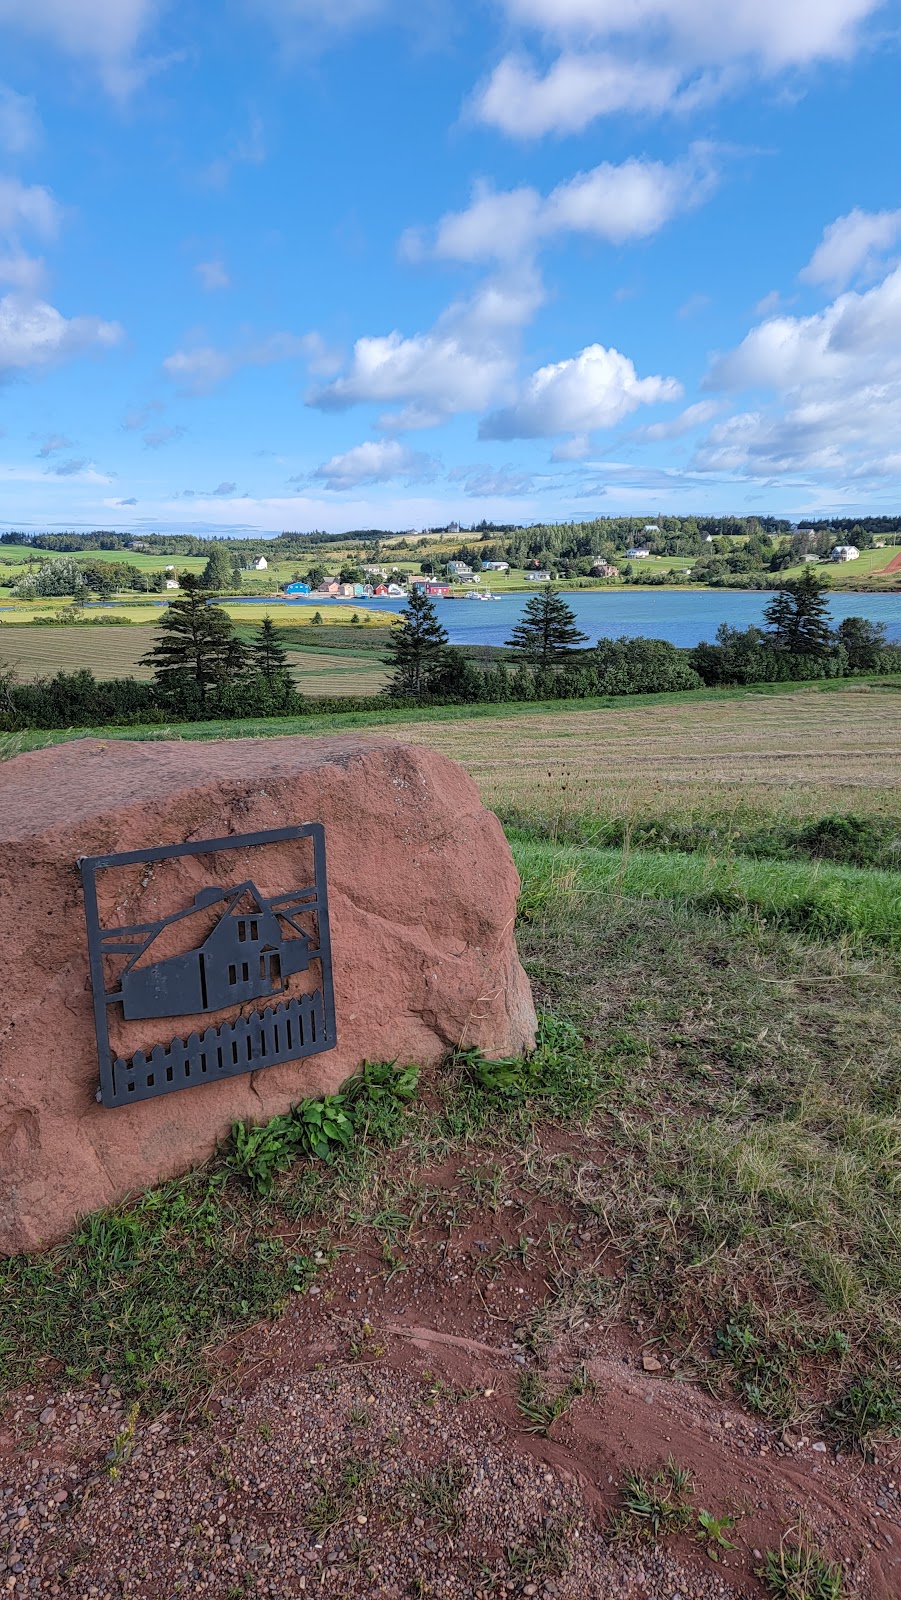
[[111, 652], [868, 568]]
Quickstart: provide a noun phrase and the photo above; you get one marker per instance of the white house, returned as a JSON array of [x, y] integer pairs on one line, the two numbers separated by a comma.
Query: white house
[[261, 564], [495, 566], [171, 583], [638, 552], [650, 527], [459, 569], [537, 577], [845, 552]]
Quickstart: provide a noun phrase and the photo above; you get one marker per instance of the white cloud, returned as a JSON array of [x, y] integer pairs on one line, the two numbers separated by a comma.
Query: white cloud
[[212, 275], [376, 461], [34, 335], [595, 389], [461, 364], [579, 87], [157, 438], [851, 245], [856, 338], [105, 32], [20, 126], [480, 481], [613, 203], [692, 417], [653, 56], [203, 368], [575, 90], [836, 382], [28, 206], [52, 443], [775, 33], [23, 272]]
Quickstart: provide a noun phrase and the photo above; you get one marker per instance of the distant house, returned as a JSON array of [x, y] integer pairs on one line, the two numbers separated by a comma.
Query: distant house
[[328, 586], [437, 588], [638, 552], [495, 566], [380, 589], [375, 572], [459, 569], [845, 552], [260, 564], [346, 591], [538, 577], [811, 555], [395, 589], [171, 583], [650, 527], [297, 588], [604, 569]]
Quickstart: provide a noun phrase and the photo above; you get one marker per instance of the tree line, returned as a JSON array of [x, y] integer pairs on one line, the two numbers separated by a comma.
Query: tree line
[[202, 670]]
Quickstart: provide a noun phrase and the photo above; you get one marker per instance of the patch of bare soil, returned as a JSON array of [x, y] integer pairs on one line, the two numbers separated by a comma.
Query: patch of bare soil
[[372, 1442]]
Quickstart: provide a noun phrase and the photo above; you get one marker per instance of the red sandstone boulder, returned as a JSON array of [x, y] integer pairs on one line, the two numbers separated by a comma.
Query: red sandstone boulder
[[422, 891]]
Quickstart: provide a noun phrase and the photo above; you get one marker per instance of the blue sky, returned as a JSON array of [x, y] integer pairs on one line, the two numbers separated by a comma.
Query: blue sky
[[515, 259]]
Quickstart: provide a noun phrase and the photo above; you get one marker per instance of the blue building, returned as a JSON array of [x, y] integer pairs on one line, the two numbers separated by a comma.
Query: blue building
[[297, 588]]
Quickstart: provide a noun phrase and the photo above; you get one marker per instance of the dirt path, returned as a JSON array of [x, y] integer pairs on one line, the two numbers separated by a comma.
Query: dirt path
[[893, 566], [371, 1442]]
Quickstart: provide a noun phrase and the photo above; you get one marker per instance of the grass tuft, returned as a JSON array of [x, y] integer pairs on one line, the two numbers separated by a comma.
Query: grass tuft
[[798, 1571]]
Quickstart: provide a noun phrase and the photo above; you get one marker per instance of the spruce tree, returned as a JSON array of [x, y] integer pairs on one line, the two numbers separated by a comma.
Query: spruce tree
[[197, 647], [416, 646], [270, 658], [217, 574], [547, 631], [799, 617]]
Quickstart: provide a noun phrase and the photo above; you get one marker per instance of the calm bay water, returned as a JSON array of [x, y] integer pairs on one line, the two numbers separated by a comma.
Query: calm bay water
[[684, 618]]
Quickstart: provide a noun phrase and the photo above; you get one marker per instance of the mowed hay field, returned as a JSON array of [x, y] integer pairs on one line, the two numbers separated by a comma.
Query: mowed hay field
[[111, 652], [782, 755]]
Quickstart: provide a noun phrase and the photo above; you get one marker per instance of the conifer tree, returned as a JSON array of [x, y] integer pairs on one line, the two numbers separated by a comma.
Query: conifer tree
[[196, 647], [547, 631], [270, 658], [217, 574], [799, 617], [416, 646]]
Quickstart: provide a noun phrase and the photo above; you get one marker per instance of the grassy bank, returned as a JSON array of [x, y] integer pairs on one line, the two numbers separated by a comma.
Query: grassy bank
[[818, 899]]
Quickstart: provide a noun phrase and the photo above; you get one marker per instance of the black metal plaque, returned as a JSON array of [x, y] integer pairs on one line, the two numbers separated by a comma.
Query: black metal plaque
[[229, 947]]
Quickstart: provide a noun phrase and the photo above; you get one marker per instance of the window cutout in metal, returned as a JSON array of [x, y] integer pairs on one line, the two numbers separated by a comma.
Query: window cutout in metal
[[191, 962]]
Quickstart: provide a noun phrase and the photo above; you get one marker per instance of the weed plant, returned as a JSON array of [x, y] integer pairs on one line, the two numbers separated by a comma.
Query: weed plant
[[798, 1571]]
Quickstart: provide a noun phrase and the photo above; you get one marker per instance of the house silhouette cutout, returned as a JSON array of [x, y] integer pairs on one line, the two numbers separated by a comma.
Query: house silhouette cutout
[[247, 955]]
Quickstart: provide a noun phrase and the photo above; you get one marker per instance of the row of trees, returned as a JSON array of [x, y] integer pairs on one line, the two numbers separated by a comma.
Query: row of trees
[[203, 669], [797, 638]]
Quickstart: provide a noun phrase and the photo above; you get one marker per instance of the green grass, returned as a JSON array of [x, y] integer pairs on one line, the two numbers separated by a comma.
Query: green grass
[[819, 899], [751, 1150], [846, 575], [799, 1571], [142, 1292]]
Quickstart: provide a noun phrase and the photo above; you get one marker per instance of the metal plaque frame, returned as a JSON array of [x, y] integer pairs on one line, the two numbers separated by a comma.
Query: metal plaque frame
[[289, 1031]]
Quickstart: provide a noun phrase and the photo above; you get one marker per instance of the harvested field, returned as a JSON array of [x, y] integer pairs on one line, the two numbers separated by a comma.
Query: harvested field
[[115, 652], [109, 652], [753, 752]]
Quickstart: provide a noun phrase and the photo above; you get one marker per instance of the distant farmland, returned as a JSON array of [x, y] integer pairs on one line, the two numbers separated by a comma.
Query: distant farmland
[[111, 652]]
